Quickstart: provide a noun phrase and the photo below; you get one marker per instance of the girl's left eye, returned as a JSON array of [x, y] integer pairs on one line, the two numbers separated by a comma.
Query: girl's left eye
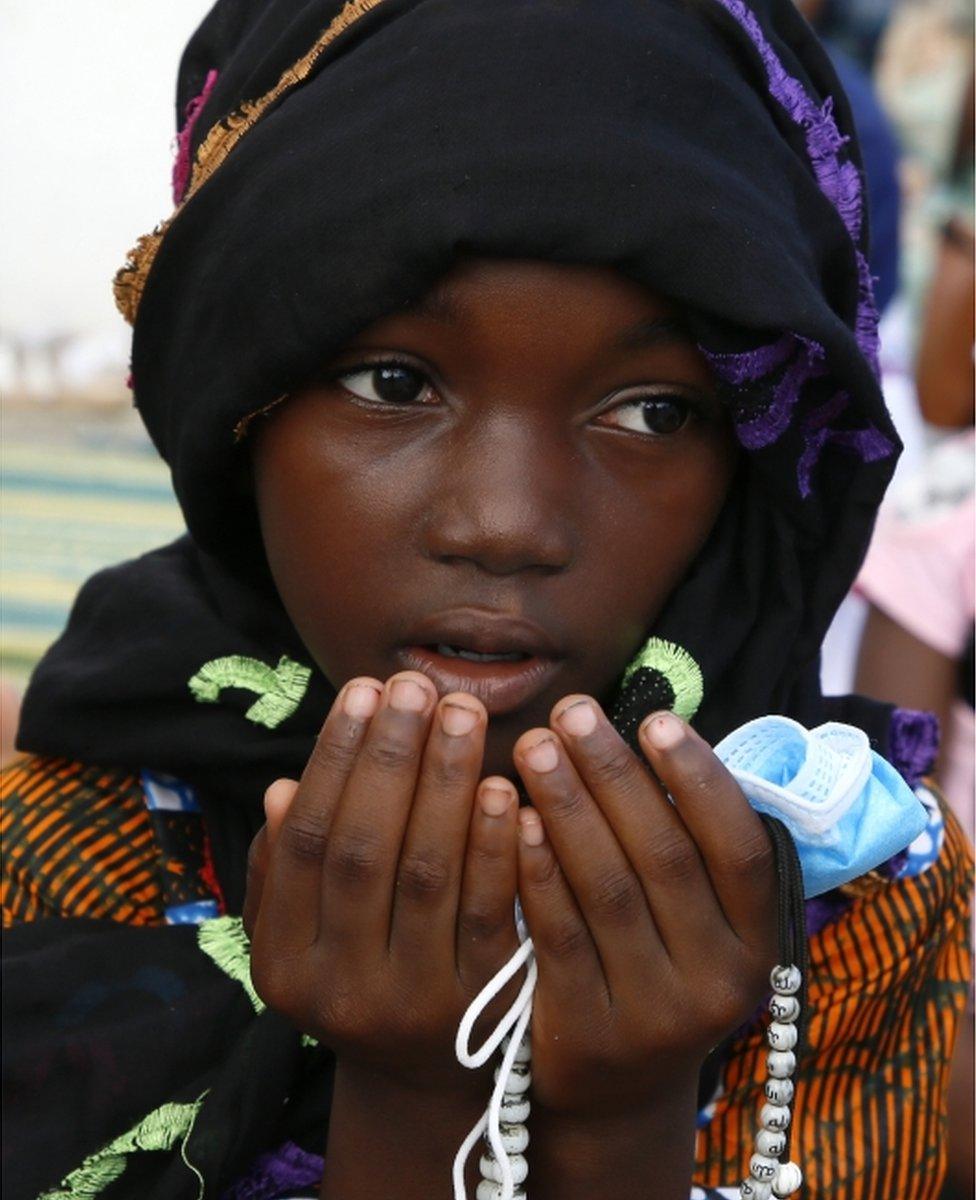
[[387, 383], [654, 415]]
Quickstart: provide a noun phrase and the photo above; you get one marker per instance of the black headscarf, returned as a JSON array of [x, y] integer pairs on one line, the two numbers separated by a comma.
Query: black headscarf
[[343, 159]]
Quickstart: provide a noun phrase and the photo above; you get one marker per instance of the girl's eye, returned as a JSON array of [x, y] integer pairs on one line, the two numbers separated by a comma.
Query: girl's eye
[[387, 383], [656, 415]]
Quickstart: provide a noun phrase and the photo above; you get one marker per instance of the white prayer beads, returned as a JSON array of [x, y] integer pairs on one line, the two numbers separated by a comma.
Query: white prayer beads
[[775, 1117], [768, 1176], [781, 1063], [781, 1036], [778, 1091], [785, 980], [495, 1191], [787, 1181], [770, 1142], [784, 1008], [490, 1170]]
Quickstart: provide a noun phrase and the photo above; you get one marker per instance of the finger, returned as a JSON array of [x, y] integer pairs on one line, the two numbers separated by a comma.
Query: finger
[[657, 844], [367, 831], [257, 866], [276, 801], [732, 840], [486, 935], [289, 916], [567, 956], [607, 890], [429, 873]]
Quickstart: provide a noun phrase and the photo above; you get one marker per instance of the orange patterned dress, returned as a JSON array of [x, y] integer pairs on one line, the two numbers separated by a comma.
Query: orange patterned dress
[[888, 982]]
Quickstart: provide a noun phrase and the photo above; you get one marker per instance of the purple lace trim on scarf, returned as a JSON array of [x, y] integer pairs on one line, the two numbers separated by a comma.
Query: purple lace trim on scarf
[[770, 425], [840, 183], [278, 1172], [181, 167], [914, 743], [869, 443]]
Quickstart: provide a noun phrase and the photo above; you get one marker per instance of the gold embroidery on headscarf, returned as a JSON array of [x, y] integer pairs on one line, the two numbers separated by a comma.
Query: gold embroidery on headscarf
[[130, 279], [244, 424]]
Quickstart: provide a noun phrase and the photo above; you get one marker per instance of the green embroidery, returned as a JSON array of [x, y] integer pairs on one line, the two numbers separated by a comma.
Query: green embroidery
[[158, 1130], [678, 668], [280, 689], [223, 939]]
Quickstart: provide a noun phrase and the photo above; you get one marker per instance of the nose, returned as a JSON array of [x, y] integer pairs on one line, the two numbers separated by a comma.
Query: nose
[[503, 500]]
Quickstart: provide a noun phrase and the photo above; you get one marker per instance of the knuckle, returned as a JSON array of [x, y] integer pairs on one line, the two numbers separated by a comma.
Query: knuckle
[[485, 858], [612, 765], [331, 756], [424, 876], [546, 875], [567, 939], [570, 805], [480, 923], [617, 896], [304, 837], [354, 856], [445, 774], [673, 858], [754, 855], [391, 754], [732, 1002]]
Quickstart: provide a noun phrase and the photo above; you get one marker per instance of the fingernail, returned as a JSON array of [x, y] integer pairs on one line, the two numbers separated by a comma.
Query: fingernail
[[406, 695], [531, 829], [494, 801], [360, 701], [579, 718], [457, 719], [543, 756], [663, 730]]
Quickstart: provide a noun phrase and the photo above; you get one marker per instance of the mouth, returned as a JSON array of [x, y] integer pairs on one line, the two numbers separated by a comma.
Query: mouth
[[505, 662]]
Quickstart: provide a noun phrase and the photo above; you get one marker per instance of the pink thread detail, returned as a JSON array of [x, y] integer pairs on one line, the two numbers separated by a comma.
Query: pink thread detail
[[181, 167]]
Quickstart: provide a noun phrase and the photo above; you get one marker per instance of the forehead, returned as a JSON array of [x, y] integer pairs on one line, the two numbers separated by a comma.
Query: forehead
[[517, 299]]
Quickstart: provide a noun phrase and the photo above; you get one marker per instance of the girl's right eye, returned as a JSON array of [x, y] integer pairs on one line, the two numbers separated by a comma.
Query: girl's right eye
[[388, 383]]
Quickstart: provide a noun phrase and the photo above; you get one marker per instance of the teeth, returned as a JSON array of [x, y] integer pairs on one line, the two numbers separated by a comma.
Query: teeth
[[474, 656]]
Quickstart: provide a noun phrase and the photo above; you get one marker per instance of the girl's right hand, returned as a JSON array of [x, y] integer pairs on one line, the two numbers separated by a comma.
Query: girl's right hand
[[387, 900]]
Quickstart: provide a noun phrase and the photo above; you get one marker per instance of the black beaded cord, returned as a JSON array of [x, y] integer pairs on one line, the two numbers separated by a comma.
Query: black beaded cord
[[791, 922]]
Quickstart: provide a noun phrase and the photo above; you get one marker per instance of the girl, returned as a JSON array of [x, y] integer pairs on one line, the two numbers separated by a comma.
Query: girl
[[515, 367]]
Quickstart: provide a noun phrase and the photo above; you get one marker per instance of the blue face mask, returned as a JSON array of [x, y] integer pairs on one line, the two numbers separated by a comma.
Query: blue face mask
[[847, 809]]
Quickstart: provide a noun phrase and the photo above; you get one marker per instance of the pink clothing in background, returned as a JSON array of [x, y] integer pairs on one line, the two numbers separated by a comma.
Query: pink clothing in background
[[921, 572]]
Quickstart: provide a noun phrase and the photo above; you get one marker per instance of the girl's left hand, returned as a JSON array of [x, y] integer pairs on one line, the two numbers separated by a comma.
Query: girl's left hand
[[654, 923]]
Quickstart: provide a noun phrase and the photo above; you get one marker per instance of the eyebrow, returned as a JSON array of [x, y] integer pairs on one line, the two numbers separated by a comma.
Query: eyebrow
[[440, 305], [662, 331]]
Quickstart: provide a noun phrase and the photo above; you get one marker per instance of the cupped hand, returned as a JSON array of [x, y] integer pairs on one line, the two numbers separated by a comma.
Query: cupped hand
[[381, 891], [654, 922]]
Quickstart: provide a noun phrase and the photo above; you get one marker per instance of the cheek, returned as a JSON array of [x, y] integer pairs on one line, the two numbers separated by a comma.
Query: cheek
[[659, 515], [335, 531]]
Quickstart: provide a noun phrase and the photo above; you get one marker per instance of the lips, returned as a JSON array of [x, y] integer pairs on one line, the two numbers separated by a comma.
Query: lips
[[505, 661]]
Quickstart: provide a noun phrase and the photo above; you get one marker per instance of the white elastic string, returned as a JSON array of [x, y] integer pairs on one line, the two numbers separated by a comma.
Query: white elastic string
[[515, 1020], [463, 1154], [477, 1058], [504, 1074]]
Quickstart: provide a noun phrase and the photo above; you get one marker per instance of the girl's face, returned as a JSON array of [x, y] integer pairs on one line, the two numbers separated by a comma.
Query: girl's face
[[500, 487]]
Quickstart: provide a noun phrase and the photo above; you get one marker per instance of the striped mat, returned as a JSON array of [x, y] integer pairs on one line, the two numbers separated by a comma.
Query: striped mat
[[77, 494]]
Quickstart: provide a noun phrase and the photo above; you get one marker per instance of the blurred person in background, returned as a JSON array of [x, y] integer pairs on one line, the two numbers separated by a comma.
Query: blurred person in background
[[918, 578]]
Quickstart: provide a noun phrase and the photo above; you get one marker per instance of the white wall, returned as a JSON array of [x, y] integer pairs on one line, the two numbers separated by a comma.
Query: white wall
[[86, 131]]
